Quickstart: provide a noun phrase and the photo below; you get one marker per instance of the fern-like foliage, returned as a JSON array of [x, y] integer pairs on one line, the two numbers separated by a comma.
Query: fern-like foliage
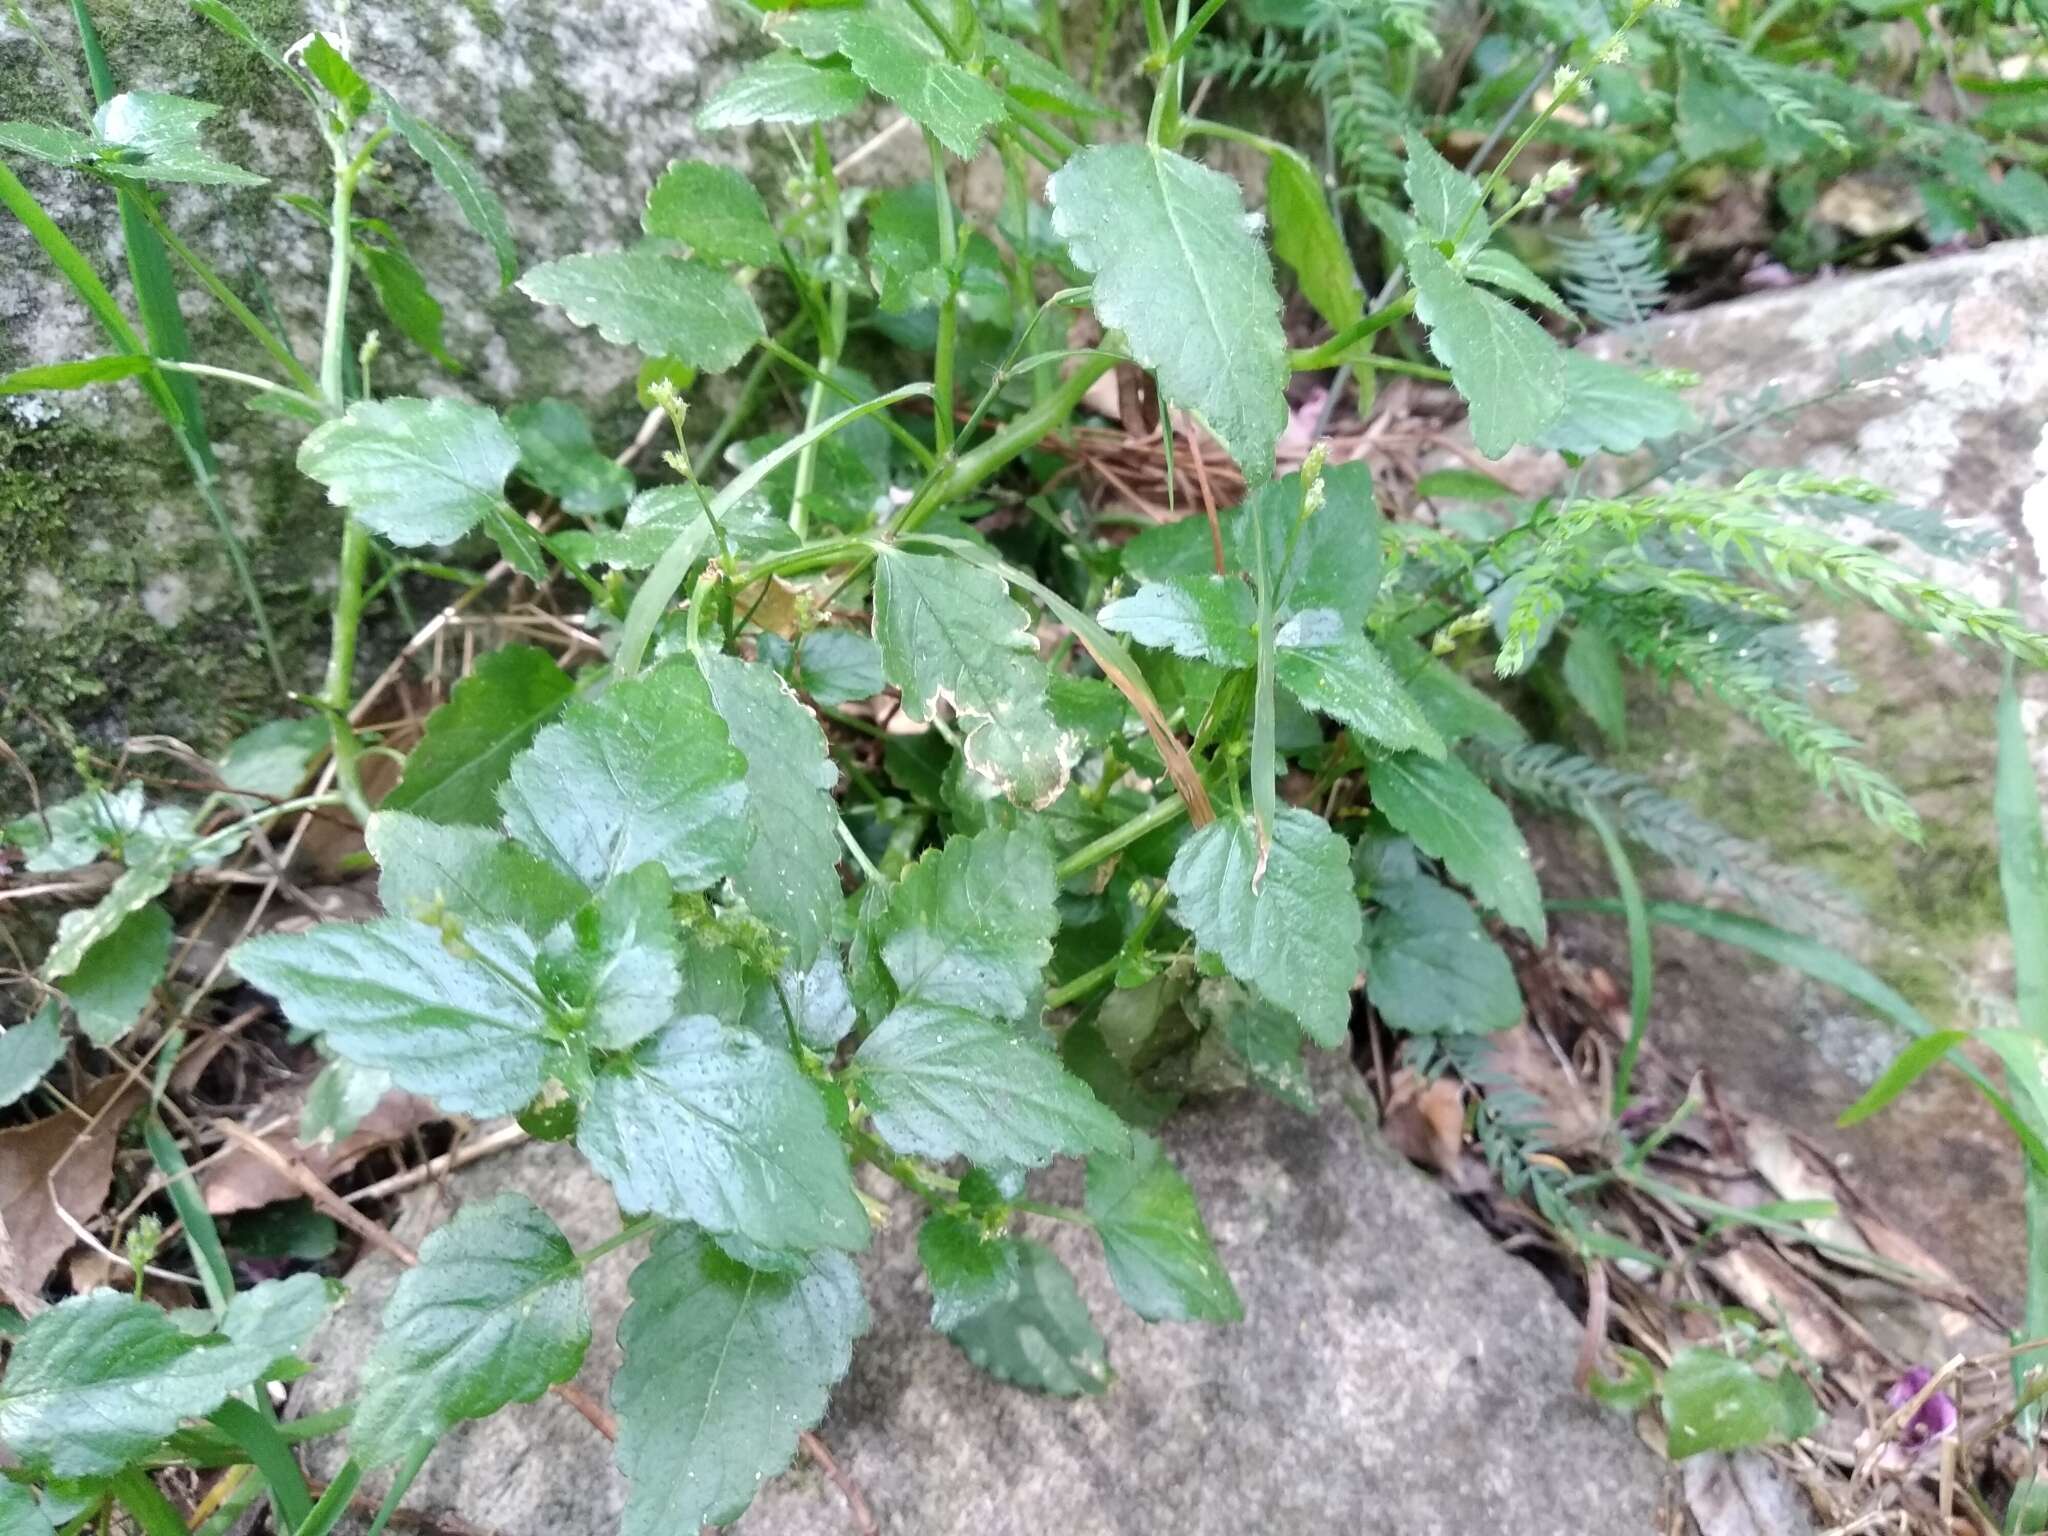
[[1351, 45], [1787, 93], [1508, 1120], [1666, 637], [1613, 275], [1546, 775]]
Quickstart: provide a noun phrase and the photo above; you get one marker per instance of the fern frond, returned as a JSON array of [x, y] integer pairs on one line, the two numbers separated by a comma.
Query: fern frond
[[1613, 275], [1747, 524], [1509, 1121], [1789, 94], [1657, 633], [1549, 776], [1351, 68]]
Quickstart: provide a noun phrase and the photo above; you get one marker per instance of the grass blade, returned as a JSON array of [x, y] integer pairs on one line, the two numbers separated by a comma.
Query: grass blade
[[1642, 970]]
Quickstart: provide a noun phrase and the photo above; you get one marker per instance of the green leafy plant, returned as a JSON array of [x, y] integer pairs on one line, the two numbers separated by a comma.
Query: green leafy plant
[[694, 909]]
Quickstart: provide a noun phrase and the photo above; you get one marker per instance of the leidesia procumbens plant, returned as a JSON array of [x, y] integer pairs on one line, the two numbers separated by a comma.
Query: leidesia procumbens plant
[[661, 909]]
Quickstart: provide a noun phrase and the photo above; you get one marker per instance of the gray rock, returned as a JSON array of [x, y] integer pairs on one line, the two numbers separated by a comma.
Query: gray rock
[[1395, 1372], [113, 583], [1961, 432]]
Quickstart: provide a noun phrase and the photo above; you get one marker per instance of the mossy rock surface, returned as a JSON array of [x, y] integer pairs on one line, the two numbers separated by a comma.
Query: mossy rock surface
[[121, 610]]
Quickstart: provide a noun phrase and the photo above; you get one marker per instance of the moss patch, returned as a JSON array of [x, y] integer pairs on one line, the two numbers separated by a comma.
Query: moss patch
[[1925, 714]]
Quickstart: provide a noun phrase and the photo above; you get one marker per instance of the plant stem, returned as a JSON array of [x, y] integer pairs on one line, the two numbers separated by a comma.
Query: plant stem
[[1114, 841], [1186, 39], [637, 1227], [949, 308], [246, 380], [829, 343], [1327, 354], [355, 541]]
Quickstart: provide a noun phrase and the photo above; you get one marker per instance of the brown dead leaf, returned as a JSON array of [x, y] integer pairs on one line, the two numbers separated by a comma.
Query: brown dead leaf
[[33, 1237], [241, 1181], [1572, 1121], [1425, 1121], [772, 605], [1761, 1279]]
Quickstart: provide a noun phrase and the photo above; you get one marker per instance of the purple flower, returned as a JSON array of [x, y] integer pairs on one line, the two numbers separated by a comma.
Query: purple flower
[[1933, 1419]]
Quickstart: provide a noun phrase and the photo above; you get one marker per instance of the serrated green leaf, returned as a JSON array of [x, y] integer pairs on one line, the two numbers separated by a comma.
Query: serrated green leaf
[[1160, 1254], [1457, 820], [1447, 202], [1204, 618], [136, 886], [903, 250], [905, 65], [272, 1320], [74, 375], [820, 1005], [75, 830], [950, 632], [403, 295], [1178, 270], [715, 211], [271, 760], [1511, 374], [645, 771], [1714, 1402], [558, 455], [151, 136], [393, 995], [1611, 409], [473, 872], [1042, 1337], [1592, 671], [1497, 269], [970, 924], [664, 305], [724, 1367], [20, 1513], [99, 1379], [492, 1314], [47, 142], [27, 1051], [782, 88], [416, 471], [791, 875], [336, 75], [1289, 933], [1432, 968], [615, 964], [1453, 705], [491, 716], [839, 666], [707, 1123], [969, 1269], [114, 980], [1037, 83], [460, 179], [1306, 237], [1342, 674], [944, 1082], [1264, 1038]]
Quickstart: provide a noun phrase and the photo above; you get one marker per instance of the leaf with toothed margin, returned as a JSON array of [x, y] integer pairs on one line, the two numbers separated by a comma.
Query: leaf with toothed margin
[[664, 305], [970, 1269], [646, 770], [460, 179], [791, 875], [493, 1314], [1454, 818], [708, 1123], [415, 471], [900, 60], [1160, 1254], [1041, 1337], [1180, 271], [782, 88], [724, 1367], [950, 633], [456, 1022], [1342, 674], [473, 872], [1291, 933], [1204, 618], [491, 716], [946, 1082], [970, 924]]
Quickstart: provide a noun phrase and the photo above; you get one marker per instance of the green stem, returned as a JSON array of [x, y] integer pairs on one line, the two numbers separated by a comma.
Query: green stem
[[639, 1226], [1163, 814], [333, 1503], [896, 429], [1186, 38], [408, 1470], [355, 541], [1329, 353], [1053, 1212], [246, 380], [139, 1496], [829, 345], [949, 308]]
